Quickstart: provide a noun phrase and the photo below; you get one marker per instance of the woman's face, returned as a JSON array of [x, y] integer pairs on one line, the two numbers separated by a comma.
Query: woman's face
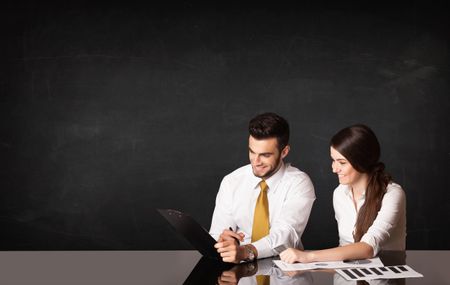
[[341, 166]]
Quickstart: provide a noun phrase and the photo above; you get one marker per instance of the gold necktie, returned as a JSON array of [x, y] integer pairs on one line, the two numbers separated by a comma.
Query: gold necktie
[[261, 218], [263, 279]]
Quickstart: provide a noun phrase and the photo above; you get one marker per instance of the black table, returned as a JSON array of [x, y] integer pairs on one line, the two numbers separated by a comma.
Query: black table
[[177, 267]]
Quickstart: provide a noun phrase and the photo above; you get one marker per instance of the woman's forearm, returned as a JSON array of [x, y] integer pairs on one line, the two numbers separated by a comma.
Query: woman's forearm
[[359, 250]]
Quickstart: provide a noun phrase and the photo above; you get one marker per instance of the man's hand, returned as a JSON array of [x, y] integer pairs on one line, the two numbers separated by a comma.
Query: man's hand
[[228, 235], [228, 278], [232, 276], [229, 248], [292, 255], [230, 251]]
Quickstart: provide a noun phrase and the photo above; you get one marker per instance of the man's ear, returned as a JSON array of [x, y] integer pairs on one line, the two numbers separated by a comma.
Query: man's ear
[[285, 151]]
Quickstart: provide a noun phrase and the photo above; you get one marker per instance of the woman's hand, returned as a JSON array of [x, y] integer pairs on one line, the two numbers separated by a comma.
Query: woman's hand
[[292, 255]]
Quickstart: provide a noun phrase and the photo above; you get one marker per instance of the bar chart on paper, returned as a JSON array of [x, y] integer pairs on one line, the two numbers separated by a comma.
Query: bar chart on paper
[[386, 272]]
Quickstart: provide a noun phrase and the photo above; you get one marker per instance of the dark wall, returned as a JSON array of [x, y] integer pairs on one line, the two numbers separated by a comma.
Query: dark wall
[[110, 112]]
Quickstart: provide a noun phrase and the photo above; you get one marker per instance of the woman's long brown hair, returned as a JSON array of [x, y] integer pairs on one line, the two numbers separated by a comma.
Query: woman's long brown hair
[[359, 145]]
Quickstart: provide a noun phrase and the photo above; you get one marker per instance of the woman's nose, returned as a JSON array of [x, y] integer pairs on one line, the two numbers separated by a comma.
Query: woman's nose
[[334, 167]]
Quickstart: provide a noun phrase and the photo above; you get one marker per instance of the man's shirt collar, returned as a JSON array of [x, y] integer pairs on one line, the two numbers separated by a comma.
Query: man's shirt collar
[[273, 180]]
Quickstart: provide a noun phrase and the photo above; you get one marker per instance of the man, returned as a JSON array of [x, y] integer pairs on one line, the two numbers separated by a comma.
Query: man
[[265, 204]]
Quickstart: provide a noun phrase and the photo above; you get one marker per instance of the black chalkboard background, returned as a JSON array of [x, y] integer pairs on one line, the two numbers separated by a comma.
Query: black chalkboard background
[[108, 112]]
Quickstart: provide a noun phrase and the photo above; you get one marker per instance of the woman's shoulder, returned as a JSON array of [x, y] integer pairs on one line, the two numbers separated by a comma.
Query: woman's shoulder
[[394, 190], [394, 187]]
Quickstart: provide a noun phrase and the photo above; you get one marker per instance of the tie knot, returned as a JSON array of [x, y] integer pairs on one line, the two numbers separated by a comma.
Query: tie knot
[[263, 185]]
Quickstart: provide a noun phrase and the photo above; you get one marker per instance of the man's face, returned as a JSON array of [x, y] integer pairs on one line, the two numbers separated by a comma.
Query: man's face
[[265, 157]]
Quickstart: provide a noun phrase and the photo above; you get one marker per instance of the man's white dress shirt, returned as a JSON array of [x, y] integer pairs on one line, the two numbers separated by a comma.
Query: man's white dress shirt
[[388, 230], [290, 194]]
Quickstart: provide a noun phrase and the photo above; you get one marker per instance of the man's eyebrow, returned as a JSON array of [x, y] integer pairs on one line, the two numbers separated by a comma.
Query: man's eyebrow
[[264, 153]]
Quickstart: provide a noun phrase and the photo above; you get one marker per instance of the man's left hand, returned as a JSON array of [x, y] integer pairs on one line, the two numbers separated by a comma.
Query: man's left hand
[[230, 251]]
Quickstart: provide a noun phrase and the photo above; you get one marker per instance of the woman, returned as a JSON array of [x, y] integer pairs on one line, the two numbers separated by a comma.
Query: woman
[[369, 208]]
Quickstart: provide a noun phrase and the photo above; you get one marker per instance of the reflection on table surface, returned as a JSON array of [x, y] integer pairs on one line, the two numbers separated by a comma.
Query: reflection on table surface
[[178, 267], [211, 272]]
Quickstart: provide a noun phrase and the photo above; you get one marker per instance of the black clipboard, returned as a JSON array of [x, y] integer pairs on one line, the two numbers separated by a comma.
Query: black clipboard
[[192, 231], [206, 271]]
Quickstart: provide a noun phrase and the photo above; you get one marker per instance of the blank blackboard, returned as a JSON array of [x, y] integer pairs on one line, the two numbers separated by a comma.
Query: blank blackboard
[[109, 112]]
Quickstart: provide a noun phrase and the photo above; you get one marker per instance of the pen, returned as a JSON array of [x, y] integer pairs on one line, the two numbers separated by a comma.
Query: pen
[[237, 240]]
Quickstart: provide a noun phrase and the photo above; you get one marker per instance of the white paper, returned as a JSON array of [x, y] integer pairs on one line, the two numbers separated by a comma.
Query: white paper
[[388, 272], [364, 263]]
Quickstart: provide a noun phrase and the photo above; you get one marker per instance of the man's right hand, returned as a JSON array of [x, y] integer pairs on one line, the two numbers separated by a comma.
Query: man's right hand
[[228, 235]]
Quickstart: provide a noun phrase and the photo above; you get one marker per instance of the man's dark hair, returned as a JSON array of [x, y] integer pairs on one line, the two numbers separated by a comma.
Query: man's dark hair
[[270, 125]]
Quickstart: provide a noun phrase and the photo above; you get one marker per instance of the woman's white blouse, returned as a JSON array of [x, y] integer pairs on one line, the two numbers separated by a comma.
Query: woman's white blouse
[[388, 231]]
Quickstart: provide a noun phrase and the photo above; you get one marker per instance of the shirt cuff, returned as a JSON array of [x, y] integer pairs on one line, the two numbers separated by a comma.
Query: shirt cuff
[[263, 248], [370, 240]]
